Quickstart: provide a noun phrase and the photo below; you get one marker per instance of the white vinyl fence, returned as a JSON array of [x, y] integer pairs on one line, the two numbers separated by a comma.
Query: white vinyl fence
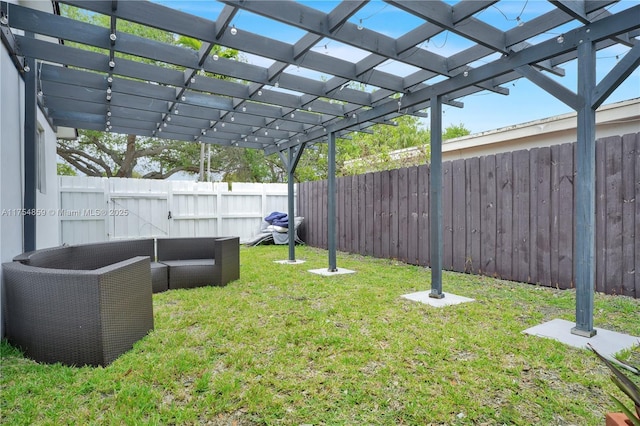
[[100, 209]]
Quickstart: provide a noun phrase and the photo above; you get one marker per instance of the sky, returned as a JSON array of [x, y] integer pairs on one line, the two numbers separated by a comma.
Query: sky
[[482, 111]]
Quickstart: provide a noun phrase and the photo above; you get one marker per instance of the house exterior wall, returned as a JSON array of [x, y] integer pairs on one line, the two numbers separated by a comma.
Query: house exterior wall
[[48, 200], [11, 176], [12, 168]]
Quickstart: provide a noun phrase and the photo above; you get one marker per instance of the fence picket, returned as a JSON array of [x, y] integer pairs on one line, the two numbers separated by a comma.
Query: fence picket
[[628, 214], [412, 216], [504, 221], [614, 204]]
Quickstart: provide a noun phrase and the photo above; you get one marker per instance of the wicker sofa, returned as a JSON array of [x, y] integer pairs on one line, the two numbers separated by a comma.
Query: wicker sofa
[[96, 255], [87, 304]]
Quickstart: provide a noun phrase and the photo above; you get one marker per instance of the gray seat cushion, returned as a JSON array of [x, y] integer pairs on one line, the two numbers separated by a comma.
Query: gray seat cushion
[[191, 273], [159, 277]]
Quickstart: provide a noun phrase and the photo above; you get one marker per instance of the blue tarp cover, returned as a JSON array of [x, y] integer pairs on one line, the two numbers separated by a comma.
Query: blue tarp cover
[[278, 219]]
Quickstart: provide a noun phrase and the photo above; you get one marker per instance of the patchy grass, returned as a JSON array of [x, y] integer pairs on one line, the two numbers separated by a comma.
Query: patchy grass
[[283, 346]]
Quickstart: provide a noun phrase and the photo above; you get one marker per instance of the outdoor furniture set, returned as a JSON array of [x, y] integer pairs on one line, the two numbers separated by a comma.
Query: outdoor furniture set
[[87, 304]]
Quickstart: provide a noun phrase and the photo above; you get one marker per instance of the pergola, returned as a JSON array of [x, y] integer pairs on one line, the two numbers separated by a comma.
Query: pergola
[[132, 85]]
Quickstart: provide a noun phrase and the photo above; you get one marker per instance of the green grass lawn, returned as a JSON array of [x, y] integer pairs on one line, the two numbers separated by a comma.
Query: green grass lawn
[[283, 346]]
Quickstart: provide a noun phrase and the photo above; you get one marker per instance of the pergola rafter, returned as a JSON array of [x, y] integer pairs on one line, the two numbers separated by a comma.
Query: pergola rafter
[[112, 81]]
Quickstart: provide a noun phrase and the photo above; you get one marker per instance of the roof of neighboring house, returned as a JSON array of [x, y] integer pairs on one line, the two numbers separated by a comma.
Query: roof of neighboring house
[[611, 120]]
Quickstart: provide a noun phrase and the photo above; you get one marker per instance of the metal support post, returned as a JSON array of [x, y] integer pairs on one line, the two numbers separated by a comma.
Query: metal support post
[[585, 194], [331, 203], [30, 155], [435, 199], [290, 211]]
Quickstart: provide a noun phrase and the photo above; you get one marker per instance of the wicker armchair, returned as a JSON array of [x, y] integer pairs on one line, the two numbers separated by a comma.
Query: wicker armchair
[[77, 317], [197, 262]]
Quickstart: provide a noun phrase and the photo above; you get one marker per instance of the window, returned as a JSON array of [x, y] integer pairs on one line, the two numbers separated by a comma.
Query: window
[[41, 162]]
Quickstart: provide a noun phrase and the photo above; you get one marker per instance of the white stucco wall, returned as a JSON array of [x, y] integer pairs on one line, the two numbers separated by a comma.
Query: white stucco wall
[[12, 168], [47, 225], [11, 176]]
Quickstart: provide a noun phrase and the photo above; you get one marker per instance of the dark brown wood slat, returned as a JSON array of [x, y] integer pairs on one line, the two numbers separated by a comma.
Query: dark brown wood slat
[[447, 216], [488, 205], [543, 228], [637, 224], [385, 214], [521, 215], [566, 174], [553, 214], [413, 189], [355, 222], [533, 216], [601, 214], [459, 225], [393, 214], [403, 214], [322, 214], [316, 214], [351, 215], [310, 223], [423, 216], [313, 230], [313, 214], [323, 208], [628, 214], [345, 217], [504, 220], [359, 215], [372, 214], [307, 209], [472, 261], [377, 224], [613, 220]]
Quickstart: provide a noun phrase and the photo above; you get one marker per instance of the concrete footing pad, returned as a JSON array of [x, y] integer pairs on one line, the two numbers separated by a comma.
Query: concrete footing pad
[[448, 299], [289, 262], [325, 272], [606, 342]]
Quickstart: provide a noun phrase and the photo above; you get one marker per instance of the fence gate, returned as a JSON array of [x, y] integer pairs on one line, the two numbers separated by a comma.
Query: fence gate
[[138, 216]]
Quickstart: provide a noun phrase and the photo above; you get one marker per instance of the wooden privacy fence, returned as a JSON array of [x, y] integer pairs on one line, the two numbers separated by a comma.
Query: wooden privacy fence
[[508, 215]]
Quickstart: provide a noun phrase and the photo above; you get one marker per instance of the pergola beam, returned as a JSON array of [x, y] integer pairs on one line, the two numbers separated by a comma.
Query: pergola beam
[[623, 69], [616, 24], [260, 109], [441, 14], [550, 86], [575, 8]]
